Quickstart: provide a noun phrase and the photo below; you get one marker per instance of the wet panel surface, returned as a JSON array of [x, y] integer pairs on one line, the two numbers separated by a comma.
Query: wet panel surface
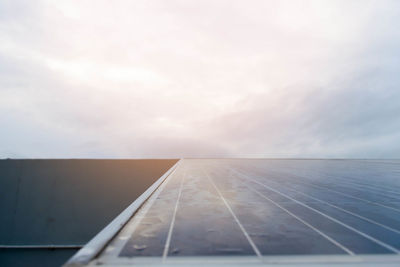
[[204, 225], [150, 235], [267, 207]]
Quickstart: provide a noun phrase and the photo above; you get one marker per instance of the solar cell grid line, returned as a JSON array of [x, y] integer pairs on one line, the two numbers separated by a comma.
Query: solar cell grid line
[[365, 173], [348, 251], [376, 188], [393, 199], [386, 216], [298, 180], [204, 226], [378, 191], [256, 250], [365, 176], [379, 186], [332, 174], [380, 232], [345, 181], [382, 182], [338, 170], [347, 211], [389, 199], [352, 196], [274, 231], [371, 188], [336, 243], [326, 174], [356, 174], [167, 242], [380, 197], [347, 195], [371, 213], [325, 215]]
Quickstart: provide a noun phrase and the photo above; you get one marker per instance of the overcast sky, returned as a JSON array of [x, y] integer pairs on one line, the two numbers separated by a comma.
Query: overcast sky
[[134, 79]]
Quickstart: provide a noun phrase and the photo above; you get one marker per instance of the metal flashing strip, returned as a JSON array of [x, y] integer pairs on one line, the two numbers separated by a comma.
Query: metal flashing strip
[[272, 260], [95, 246]]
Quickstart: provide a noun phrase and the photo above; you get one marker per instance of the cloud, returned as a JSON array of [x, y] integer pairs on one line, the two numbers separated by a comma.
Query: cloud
[[356, 117], [190, 78]]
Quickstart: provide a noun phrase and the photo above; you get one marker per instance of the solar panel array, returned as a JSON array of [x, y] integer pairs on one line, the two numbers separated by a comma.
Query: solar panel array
[[227, 208]]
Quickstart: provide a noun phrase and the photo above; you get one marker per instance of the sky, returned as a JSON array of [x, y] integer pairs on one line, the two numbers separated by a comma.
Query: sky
[[209, 78]]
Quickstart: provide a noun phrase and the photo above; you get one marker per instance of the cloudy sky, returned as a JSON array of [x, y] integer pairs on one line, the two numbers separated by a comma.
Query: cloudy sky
[[135, 79]]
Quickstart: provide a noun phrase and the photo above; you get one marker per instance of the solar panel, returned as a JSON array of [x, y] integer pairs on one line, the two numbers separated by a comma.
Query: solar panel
[[266, 211]]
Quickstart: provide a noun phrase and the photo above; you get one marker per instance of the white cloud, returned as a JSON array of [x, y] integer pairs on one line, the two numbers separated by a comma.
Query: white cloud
[[187, 78]]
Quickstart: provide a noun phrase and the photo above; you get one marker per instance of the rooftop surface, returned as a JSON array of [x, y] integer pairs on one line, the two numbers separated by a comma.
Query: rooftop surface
[[51, 207], [238, 211]]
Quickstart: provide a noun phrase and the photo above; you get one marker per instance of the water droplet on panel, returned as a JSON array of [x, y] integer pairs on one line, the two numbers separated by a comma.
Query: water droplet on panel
[[139, 247]]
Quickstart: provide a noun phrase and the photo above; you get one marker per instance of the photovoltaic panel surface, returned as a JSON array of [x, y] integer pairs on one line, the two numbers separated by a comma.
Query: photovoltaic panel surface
[[258, 210]]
